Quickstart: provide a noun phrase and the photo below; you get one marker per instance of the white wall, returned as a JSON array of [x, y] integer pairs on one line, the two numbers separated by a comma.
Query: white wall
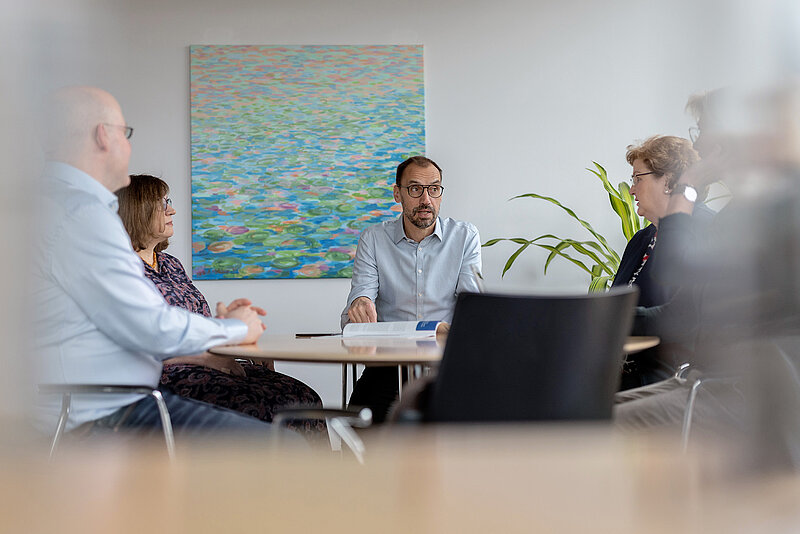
[[521, 96]]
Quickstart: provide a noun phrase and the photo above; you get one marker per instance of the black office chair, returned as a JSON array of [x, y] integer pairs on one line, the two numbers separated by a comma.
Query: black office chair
[[532, 358]]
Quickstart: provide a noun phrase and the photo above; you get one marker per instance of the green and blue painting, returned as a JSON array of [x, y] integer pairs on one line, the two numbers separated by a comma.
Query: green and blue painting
[[294, 150]]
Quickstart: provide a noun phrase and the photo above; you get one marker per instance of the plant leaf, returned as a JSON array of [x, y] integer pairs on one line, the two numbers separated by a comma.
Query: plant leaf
[[556, 250], [513, 257], [605, 259], [601, 173], [599, 283], [591, 255], [637, 223], [572, 214], [565, 256], [611, 259], [517, 240], [630, 211], [610, 264], [621, 209]]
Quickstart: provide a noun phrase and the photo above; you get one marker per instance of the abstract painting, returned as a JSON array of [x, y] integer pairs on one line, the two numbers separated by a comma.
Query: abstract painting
[[294, 150]]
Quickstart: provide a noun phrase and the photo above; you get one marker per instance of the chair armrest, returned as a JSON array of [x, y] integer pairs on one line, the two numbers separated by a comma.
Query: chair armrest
[[60, 389], [360, 419], [682, 372]]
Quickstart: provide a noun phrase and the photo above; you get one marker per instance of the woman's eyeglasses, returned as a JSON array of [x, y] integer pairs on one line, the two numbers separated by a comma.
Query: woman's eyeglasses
[[636, 178]]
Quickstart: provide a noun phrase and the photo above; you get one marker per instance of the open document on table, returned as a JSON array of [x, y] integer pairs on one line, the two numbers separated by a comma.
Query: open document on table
[[405, 329]]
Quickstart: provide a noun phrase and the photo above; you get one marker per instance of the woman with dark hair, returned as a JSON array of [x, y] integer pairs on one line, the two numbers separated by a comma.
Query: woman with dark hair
[[255, 390], [658, 163]]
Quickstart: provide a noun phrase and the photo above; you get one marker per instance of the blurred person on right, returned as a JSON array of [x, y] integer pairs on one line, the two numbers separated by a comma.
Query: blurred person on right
[[746, 266], [97, 319]]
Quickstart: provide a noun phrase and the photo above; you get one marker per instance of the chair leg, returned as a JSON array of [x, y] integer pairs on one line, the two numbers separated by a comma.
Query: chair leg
[[66, 401], [166, 422], [333, 438], [344, 386], [349, 437], [399, 382], [338, 423], [687, 414]]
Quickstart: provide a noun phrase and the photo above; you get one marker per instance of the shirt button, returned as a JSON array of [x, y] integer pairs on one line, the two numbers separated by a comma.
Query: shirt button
[[420, 294], [419, 270], [419, 316]]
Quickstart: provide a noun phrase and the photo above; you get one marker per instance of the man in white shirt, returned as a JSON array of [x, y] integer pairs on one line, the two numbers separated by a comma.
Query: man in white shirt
[[409, 269], [98, 319]]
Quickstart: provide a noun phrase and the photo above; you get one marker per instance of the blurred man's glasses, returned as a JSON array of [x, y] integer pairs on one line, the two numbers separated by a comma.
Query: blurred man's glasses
[[694, 133], [415, 191], [128, 129]]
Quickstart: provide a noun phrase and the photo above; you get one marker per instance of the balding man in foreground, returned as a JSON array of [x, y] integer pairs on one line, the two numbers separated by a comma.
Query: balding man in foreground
[[97, 318]]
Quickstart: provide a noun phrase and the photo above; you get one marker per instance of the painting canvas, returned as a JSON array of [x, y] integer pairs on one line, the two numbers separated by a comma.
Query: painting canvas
[[294, 150]]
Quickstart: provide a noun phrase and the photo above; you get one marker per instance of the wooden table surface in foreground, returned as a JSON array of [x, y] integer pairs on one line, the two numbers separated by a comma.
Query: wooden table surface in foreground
[[376, 350], [476, 479]]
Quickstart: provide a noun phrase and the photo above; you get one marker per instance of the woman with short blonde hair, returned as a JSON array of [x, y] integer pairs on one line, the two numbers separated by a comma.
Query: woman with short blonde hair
[[658, 164]]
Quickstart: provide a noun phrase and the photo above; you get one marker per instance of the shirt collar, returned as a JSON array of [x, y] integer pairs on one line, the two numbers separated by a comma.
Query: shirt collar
[[82, 181], [400, 232], [437, 230]]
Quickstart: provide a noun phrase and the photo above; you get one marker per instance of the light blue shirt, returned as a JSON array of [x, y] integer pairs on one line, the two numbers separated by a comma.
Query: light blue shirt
[[97, 319], [410, 281]]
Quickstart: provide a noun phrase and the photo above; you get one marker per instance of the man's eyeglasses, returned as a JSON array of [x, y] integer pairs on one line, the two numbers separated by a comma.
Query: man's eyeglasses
[[694, 133], [636, 178], [415, 191], [165, 203], [128, 129]]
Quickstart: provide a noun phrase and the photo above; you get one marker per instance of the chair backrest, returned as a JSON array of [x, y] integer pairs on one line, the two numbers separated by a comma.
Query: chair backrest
[[529, 358]]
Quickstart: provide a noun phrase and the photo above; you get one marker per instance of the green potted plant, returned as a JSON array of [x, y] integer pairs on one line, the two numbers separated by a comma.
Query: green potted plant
[[595, 256]]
